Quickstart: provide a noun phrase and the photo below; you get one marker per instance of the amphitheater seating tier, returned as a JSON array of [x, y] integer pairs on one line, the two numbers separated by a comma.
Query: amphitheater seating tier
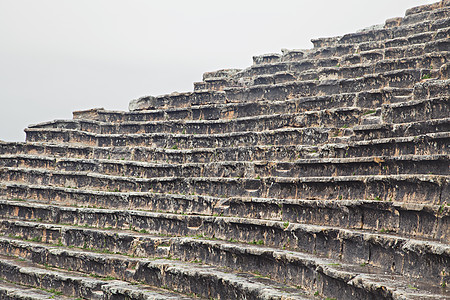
[[316, 173]]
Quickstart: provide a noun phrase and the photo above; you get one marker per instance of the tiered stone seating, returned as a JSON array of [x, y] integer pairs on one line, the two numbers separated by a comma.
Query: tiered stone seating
[[313, 174]]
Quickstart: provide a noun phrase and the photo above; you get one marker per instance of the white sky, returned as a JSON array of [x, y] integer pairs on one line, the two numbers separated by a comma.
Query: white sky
[[57, 56]]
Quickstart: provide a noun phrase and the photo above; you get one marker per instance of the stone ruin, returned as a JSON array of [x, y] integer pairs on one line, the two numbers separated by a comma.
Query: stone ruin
[[312, 174]]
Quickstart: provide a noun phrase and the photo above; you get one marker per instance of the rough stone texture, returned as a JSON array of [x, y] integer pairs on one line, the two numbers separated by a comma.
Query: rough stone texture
[[320, 173]]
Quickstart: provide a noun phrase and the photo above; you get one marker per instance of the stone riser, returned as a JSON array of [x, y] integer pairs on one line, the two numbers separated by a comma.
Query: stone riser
[[420, 56], [412, 111], [428, 23], [369, 100], [426, 7], [289, 136], [381, 131], [430, 189], [437, 165], [434, 62], [76, 286], [417, 110], [429, 144], [405, 35], [156, 273], [9, 291], [335, 118], [351, 66], [314, 275], [390, 253], [409, 220], [289, 90], [429, 89], [425, 45]]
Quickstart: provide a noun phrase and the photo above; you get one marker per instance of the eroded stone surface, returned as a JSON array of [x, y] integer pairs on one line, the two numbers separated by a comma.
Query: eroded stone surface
[[320, 173]]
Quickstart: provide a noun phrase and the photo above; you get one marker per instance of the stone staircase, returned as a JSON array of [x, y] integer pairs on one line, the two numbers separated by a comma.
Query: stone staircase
[[312, 174]]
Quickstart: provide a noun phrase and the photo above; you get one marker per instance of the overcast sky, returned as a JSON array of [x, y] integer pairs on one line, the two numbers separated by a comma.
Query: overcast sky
[[57, 56]]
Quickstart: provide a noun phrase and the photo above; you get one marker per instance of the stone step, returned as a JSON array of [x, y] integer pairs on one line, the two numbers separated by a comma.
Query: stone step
[[10, 291], [348, 66], [387, 130], [401, 112], [424, 44], [422, 144], [394, 29], [366, 100], [275, 92], [284, 136], [421, 14], [426, 21], [426, 7], [398, 78], [390, 252], [416, 43], [347, 116], [313, 273], [177, 99], [220, 73], [432, 89], [196, 279], [70, 283], [412, 220], [417, 110], [377, 165], [416, 188]]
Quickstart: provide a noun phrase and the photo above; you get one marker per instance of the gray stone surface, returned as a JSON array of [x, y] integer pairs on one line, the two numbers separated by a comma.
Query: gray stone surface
[[312, 174]]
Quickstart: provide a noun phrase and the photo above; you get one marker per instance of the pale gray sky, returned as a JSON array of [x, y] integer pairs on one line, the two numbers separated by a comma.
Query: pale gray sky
[[57, 56]]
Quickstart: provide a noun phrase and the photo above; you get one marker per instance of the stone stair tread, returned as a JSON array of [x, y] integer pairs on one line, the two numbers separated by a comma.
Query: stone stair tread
[[10, 291], [56, 122], [264, 288], [187, 155], [334, 160], [280, 222], [315, 60], [421, 245], [424, 177], [225, 107], [99, 287], [339, 68], [350, 273], [342, 40]]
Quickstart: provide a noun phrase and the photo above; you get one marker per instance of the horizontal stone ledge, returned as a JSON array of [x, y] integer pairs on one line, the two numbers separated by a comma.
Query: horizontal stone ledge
[[398, 78], [386, 130], [10, 291], [423, 43], [284, 136], [409, 220], [401, 251], [417, 188], [417, 110], [338, 117], [366, 99], [441, 12], [426, 7], [288, 90], [78, 284], [422, 144], [384, 165], [188, 278], [350, 66], [303, 269], [382, 34]]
